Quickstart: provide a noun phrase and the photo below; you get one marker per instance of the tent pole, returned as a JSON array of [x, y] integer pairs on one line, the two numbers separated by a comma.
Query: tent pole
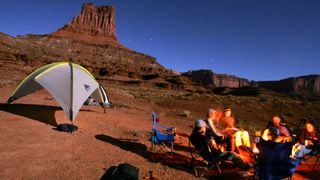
[[71, 87], [71, 93], [104, 109]]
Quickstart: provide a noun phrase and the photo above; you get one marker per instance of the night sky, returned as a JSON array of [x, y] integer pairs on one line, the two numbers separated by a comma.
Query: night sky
[[254, 39]]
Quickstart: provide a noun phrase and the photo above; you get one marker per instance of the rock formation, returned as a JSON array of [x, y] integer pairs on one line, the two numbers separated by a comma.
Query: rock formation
[[305, 85], [94, 25], [209, 78], [97, 21], [89, 40]]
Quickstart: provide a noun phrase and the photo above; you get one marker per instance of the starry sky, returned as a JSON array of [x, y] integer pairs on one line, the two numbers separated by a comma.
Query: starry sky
[[253, 39]]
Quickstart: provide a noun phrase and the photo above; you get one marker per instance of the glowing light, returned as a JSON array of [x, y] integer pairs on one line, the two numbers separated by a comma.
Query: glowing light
[[255, 150]]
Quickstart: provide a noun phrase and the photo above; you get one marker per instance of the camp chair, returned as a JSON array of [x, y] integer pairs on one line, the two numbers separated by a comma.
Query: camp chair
[[210, 162], [312, 154], [273, 160], [161, 136], [317, 160]]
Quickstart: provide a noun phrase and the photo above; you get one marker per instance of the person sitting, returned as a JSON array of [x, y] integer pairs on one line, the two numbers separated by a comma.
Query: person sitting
[[227, 126], [200, 141], [227, 121], [308, 142], [272, 134], [283, 134], [213, 132], [211, 123]]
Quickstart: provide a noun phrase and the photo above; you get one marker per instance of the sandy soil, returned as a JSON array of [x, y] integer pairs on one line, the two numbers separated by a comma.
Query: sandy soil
[[31, 148]]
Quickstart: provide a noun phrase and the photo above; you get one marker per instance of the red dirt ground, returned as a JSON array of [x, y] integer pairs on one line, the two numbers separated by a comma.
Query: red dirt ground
[[30, 147]]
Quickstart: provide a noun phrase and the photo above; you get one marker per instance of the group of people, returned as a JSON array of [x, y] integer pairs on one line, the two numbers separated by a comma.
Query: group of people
[[223, 137], [306, 141], [219, 132]]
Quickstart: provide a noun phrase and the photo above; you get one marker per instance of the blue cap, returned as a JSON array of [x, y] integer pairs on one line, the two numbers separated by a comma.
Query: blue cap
[[200, 123]]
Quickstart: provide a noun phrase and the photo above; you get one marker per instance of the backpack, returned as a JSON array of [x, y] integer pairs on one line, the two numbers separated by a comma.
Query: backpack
[[67, 127], [124, 171]]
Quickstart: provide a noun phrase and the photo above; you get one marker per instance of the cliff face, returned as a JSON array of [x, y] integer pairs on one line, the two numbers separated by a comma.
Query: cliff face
[[209, 78], [89, 40], [97, 21], [305, 85], [94, 25]]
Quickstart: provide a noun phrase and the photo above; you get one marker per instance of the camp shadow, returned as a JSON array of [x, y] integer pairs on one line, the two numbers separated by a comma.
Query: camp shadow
[[41, 113], [174, 160]]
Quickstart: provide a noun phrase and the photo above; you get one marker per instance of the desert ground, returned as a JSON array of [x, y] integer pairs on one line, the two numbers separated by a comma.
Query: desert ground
[[31, 147]]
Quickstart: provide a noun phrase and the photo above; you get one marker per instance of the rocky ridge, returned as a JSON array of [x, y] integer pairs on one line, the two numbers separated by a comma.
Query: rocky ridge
[[209, 78], [90, 40], [308, 86]]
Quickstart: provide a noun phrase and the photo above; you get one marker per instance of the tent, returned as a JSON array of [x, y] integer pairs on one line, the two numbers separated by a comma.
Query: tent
[[105, 103], [70, 84]]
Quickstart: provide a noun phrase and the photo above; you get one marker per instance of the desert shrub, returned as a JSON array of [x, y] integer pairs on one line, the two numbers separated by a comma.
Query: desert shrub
[[263, 99], [222, 90], [245, 91]]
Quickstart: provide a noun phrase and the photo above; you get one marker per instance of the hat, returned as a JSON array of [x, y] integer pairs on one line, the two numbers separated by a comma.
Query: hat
[[211, 111], [227, 108], [274, 131], [313, 122], [200, 123]]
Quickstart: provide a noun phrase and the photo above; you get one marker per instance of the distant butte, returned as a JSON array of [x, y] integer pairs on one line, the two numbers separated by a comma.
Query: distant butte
[[94, 25]]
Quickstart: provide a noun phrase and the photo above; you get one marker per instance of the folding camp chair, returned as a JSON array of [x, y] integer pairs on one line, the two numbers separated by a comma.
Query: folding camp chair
[[314, 153], [273, 161], [317, 160], [162, 136], [210, 162]]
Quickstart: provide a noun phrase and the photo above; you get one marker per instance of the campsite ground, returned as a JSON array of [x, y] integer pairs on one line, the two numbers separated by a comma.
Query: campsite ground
[[31, 148]]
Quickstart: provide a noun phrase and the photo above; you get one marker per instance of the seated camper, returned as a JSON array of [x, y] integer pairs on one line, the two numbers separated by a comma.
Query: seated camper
[[276, 131], [200, 141], [212, 130], [308, 142], [272, 134], [227, 126]]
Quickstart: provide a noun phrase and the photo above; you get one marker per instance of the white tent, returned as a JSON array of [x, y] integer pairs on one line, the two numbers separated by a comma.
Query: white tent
[[70, 84], [105, 103]]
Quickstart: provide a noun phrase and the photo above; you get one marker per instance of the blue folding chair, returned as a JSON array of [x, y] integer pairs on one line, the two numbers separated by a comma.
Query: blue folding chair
[[162, 136], [274, 162]]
